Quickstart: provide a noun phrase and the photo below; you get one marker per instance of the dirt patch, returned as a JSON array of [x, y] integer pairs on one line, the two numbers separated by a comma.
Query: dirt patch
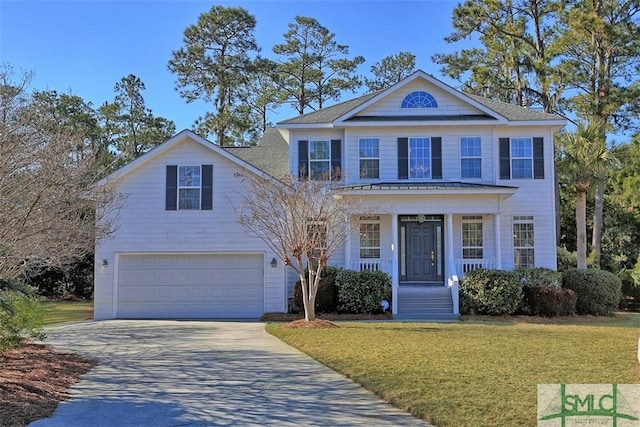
[[34, 379], [314, 324]]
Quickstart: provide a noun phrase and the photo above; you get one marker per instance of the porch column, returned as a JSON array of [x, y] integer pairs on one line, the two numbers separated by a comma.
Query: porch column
[[395, 251], [496, 240], [347, 252], [449, 261]]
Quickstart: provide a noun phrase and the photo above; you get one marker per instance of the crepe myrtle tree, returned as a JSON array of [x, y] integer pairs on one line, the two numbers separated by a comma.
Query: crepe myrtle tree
[[304, 222]]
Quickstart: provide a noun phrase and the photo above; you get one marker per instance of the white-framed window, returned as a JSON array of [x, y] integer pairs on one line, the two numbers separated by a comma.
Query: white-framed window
[[370, 237], [189, 185], [471, 157], [523, 241], [472, 237], [369, 153], [521, 158], [420, 158], [320, 160]]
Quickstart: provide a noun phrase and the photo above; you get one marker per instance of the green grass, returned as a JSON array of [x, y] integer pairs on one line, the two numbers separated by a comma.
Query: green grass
[[67, 311], [473, 373]]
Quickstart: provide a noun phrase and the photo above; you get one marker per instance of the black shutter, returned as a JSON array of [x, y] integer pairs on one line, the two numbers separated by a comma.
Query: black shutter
[[505, 159], [303, 159], [336, 160], [538, 158], [436, 157], [206, 201], [171, 198], [403, 158]]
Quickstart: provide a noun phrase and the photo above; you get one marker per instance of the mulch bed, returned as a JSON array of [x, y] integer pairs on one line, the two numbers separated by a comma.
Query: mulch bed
[[334, 317], [34, 379]]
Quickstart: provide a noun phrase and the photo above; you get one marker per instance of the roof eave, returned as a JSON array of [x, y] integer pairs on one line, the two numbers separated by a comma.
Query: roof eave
[[560, 123], [425, 191], [388, 123], [305, 125]]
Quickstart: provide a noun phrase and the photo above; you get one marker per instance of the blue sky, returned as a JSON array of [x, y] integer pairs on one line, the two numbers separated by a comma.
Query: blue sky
[[85, 47]]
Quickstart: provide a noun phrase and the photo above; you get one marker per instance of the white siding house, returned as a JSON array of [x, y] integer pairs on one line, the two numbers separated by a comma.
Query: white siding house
[[448, 182]]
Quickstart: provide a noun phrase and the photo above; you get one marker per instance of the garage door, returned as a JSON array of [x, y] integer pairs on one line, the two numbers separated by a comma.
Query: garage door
[[190, 286]]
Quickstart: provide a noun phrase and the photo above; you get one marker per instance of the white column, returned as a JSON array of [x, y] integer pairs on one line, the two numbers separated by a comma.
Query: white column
[[347, 252], [496, 241], [395, 253], [448, 259]]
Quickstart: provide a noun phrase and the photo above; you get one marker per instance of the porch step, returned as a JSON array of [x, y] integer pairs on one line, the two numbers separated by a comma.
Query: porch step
[[425, 303]]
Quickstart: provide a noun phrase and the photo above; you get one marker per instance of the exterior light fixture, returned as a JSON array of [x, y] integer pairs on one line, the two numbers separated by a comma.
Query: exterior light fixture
[[105, 263], [274, 263]]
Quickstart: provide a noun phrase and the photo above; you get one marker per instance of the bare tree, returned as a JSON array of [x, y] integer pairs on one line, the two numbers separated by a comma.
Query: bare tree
[[304, 222], [47, 206]]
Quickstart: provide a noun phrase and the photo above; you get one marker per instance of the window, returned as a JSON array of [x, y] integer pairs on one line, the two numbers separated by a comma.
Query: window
[[319, 160], [471, 157], [370, 237], [420, 158], [523, 241], [189, 188], [472, 237], [317, 236], [521, 158], [419, 99], [369, 158]]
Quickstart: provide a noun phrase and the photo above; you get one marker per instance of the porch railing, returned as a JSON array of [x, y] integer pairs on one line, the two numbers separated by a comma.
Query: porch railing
[[465, 265], [371, 264]]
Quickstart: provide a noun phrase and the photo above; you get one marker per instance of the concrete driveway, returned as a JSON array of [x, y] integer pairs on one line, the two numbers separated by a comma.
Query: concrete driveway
[[190, 373]]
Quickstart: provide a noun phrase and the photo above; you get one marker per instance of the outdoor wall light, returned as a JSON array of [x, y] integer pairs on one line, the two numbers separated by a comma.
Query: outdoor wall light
[[105, 263], [274, 263]]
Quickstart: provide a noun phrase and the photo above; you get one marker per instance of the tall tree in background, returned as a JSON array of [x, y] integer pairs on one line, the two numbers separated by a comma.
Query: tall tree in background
[[130, 127], [214, 65], [312, 67], [518, 60], [581, 159], [391, 70], [602, 51]]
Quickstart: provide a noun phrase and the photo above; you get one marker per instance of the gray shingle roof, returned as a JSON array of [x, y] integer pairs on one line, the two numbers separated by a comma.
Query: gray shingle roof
[[271, 155], [509, 111]]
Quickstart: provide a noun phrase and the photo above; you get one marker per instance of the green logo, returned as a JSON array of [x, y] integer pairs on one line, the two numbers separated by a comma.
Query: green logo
[[588, 404]]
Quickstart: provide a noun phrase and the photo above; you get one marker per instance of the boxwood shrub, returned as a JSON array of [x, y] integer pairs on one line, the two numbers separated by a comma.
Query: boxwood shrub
[[538, 276], [599, 292], [362, 291], [327, 296], [492, 292]]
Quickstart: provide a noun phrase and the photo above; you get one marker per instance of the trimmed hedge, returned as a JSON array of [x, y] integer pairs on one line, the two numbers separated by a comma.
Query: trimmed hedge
[[549, 301], [492, 292], [327, 295], [538, 276], [599, 292], [362, 291]]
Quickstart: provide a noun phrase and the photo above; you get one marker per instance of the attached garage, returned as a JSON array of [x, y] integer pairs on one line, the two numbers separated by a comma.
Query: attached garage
[[196, 286]]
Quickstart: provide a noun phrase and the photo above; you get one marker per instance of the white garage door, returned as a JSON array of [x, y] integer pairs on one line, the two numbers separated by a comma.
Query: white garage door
[[190, 286]]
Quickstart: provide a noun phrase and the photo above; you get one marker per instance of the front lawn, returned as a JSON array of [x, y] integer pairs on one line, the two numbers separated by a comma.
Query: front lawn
[[67, 311], [473, 373]]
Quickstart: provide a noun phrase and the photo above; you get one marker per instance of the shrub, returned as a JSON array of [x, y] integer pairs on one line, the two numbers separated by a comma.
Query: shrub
[[549, 301], [566, 260], [362, 291], [21, 318], [538, 276], [599, 292], [493, 292], [327, 295]]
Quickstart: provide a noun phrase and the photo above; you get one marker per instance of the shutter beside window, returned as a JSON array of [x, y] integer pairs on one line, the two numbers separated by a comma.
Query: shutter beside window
[[403, 158], [206, 201], [505, 159], [436, 158], [336, 160], [303, 159], [171, 197], [538, 158]]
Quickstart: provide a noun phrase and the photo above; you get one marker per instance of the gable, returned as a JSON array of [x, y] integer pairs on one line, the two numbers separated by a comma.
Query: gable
[[447, 104]]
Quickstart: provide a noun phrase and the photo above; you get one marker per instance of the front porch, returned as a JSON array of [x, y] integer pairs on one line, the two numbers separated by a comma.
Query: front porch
[[425, 256]]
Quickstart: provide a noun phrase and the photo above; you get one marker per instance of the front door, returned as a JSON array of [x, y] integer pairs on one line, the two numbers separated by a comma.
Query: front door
[[423, 248]]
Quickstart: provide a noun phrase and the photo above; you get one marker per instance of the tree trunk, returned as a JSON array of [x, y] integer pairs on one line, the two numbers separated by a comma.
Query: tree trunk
[[581, 228], [598, 221]]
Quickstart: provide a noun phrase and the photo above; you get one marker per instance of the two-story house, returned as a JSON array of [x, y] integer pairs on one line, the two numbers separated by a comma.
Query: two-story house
[[449, 182]]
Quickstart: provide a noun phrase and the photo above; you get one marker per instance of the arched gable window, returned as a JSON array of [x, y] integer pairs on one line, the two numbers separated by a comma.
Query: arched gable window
[[419, 99]]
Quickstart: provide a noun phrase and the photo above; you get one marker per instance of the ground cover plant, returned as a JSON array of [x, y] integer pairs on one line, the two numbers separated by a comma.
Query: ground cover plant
[[474, 373]]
